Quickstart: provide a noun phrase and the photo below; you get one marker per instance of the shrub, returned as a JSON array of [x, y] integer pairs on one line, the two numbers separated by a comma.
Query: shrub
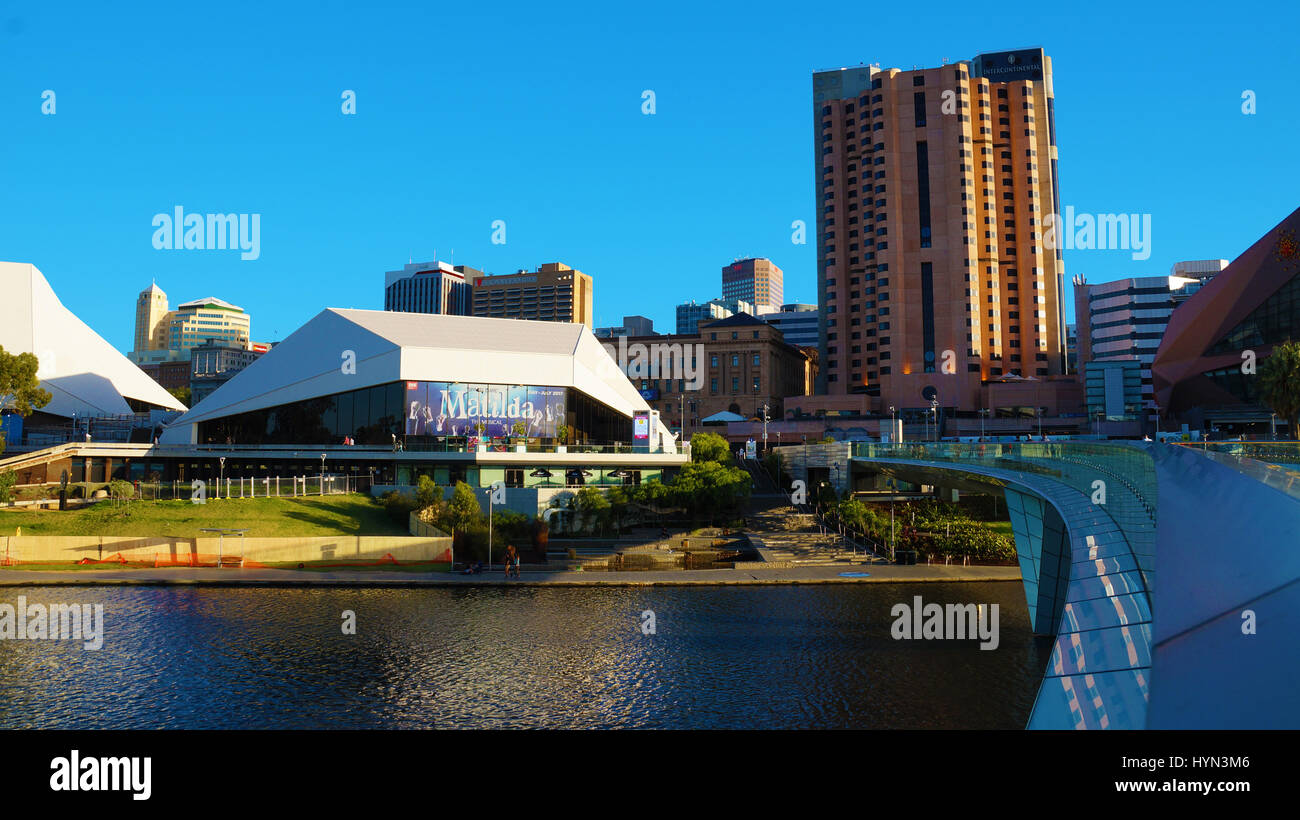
[[399, 506], [7, 480]]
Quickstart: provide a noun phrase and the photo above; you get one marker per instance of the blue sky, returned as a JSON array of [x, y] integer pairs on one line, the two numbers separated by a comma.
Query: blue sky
[[531, 113]]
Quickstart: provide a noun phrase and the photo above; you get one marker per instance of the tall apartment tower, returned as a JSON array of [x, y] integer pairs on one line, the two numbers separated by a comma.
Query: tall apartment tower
[[554, 292], [429, 287], [932, 189], [756, 281], [150, 320]]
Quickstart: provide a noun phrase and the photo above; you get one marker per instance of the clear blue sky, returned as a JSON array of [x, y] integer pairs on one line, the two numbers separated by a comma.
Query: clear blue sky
[[531, 113]]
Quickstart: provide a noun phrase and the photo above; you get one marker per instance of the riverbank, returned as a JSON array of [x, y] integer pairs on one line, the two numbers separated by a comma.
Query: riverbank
[[233, 576]]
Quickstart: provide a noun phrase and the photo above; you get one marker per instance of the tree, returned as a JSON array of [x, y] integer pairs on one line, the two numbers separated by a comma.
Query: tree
[[710, 447], [592, 506], [182, 394], [7, 480], [20, 389], [463, 511], [1279, 383], [427, 493], [121, 491]]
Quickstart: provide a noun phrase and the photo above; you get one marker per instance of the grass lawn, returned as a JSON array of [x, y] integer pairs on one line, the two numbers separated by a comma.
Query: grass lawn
[[1001, 528], [263, 517]]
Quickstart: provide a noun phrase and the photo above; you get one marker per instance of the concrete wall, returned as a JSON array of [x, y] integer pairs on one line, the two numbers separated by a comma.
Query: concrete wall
[[72, 548]]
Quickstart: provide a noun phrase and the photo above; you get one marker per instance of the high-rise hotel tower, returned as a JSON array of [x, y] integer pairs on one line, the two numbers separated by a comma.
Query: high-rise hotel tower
[[932, 190]]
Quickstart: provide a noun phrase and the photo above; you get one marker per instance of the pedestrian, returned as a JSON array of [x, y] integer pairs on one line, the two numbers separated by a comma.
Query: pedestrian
[[512, 561], [394, 435]]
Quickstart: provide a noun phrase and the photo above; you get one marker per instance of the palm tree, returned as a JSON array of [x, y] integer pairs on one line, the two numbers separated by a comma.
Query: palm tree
[[1279, 383]]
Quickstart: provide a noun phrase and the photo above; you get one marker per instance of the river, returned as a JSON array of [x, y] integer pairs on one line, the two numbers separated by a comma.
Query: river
[[791, 657]]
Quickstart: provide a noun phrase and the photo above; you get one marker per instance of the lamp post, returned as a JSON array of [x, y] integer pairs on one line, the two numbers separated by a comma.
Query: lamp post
[[934, 411], [765, 417], [893, 425], [1038, 411], [222, 477], [983, 414], [322, 474]]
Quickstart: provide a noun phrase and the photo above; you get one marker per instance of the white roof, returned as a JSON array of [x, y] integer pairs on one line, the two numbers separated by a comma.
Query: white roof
[[211, 300], [83, 373], [390, 346]]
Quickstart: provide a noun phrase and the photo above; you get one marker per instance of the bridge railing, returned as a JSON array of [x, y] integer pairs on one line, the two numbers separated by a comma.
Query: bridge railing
[[1118, 476]]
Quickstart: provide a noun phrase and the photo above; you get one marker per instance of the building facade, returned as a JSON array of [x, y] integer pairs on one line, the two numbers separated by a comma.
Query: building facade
[[194, 323], [734, 365], [932, 190], [756, 281], [690, 314], [632, 326], [1126, 319], [214, 363], [429, 287], [151, 319], [797, 323], [1200, 371], [554, 292]]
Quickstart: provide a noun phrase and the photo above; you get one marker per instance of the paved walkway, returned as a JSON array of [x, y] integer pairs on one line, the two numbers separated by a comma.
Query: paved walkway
[[877, 573]]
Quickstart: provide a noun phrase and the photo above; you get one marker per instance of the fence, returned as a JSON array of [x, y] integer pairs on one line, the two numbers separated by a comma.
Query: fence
[[235, 488]]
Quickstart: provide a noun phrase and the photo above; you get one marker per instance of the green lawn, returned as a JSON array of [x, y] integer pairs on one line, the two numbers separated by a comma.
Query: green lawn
[[1001, 528], [263, 517]]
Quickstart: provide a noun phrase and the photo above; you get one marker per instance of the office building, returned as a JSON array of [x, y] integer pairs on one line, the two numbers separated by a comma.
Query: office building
[[632, 326], [429, 287], [797, 323], [932, 190], [214, 363], [1126, 319], [690, 314], [194, 323], [733, 365], [554, 292], [756, 281], [168, 336], [151, 319]]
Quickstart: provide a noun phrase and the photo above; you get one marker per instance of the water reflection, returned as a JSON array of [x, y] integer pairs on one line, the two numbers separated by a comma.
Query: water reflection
[[723, 657]]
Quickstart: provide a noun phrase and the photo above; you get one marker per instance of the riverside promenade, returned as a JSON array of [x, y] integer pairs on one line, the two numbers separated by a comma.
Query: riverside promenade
[[234, 576]]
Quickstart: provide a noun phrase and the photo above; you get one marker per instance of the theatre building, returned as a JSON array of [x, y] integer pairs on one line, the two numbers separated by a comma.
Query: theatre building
[[385, 397]]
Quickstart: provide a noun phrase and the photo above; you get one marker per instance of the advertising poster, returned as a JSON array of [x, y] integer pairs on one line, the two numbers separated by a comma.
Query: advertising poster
[[452, 409]]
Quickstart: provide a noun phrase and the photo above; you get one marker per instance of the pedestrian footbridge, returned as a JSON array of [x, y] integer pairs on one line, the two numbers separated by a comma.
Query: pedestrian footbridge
[[1169, 576]]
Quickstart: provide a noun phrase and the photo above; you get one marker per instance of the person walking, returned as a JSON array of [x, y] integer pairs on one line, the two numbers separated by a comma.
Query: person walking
[[512, 561]]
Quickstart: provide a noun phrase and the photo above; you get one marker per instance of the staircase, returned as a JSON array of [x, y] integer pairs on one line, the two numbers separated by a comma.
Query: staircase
[[785, 536]]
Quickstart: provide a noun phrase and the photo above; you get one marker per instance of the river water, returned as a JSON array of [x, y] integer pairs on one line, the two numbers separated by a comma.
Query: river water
[[812, 656]]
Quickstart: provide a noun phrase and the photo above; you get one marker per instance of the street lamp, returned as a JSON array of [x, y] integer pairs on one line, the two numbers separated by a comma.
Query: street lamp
[[322, 474], [222, 477], [765, 417], [1038, 411], [934, 411], [984, 412], [893, 425]]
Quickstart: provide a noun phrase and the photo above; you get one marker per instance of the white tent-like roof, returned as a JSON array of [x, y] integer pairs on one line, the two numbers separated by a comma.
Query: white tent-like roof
[[84, 374], [389, 346]]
